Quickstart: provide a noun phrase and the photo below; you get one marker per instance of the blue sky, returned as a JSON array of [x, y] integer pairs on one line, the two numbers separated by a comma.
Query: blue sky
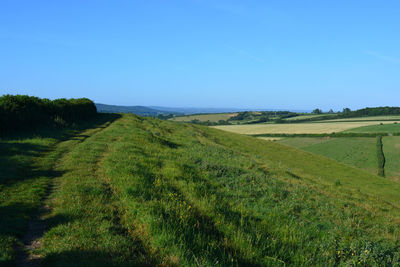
[[204, 53]]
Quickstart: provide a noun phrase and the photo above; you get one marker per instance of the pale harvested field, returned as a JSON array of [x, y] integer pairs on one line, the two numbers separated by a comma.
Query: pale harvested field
[[299, 128]]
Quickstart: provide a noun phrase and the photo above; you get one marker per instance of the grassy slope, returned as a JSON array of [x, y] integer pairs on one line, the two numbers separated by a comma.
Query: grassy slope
[[205, 117], [192, 195], [391, 149], [149, 191], [355, 151], [385, 128]]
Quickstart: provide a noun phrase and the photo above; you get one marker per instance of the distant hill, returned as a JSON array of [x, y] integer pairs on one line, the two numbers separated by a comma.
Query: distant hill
[[138, 110], [156, 110]]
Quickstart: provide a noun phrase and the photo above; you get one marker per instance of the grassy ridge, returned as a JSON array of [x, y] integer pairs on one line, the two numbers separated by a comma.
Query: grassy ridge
[[145, 190]]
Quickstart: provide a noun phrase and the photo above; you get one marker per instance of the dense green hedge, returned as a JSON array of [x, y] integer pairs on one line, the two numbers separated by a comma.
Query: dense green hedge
[[22, 112], [380, 155]]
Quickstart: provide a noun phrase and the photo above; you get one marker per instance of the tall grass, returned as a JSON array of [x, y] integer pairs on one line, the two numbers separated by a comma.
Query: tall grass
[[150, 191]]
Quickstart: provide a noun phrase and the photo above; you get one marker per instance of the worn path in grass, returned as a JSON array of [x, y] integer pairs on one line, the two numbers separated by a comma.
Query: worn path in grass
[[38, 225]]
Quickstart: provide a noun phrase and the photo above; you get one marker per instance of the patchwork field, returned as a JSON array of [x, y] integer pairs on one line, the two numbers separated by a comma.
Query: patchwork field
[[300, 128], [141, 191], [205, 117], [359, 152]]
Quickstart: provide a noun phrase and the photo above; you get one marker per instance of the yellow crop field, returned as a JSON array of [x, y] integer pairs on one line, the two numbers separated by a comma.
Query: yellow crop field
[[298, 128], [205, 117]]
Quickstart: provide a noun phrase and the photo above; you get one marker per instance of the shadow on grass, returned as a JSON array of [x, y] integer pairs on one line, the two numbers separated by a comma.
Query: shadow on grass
[[23, 183], [16, 157], [95, 258]]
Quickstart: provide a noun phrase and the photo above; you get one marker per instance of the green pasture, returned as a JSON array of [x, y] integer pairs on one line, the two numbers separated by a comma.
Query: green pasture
[[141, 191], [391, 149], [378, 128], [359, 152]]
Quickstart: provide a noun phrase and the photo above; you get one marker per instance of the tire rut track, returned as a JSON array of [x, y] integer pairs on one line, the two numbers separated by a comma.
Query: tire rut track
[[38, 225]]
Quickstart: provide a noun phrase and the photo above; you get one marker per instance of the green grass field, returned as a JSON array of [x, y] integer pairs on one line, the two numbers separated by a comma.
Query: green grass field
[[205, 117], [391, 149], [354, 151], [302, 142], [385, 128], [141, 191]]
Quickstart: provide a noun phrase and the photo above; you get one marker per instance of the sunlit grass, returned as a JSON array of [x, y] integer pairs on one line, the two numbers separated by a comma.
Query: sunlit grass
[[145, 191]]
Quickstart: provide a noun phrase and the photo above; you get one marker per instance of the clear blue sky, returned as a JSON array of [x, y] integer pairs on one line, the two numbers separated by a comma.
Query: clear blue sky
[[204, 53]]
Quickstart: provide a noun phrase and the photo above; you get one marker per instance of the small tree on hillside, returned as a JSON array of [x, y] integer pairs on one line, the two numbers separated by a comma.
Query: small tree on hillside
[[317, 111]]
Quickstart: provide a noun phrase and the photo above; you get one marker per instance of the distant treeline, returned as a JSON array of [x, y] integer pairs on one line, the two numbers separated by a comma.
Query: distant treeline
[[22, 112], [347, 113], [210, 123], [263, 116], [365, 112]]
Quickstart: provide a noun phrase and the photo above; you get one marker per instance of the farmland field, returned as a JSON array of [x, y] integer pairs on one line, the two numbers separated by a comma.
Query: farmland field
[[302, 142], [385, 128], [141, 191], [300, 128], [205, 117], [391, 149], [359, 152]]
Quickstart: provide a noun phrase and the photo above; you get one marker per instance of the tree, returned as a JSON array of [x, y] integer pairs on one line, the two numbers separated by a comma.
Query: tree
[[317, 111], [346, 110], [331, 111]]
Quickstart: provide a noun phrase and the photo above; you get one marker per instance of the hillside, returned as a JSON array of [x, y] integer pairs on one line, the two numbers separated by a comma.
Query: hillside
[[133, 190], [138, 110]]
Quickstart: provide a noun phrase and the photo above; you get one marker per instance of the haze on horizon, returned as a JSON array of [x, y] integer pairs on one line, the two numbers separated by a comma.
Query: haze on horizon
[[204, 53]]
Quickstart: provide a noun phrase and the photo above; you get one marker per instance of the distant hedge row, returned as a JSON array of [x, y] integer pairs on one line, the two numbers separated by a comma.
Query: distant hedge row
[[327, 135], [22, 112]]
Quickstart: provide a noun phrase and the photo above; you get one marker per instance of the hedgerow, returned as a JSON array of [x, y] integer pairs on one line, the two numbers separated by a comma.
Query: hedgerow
[[22, 112]]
